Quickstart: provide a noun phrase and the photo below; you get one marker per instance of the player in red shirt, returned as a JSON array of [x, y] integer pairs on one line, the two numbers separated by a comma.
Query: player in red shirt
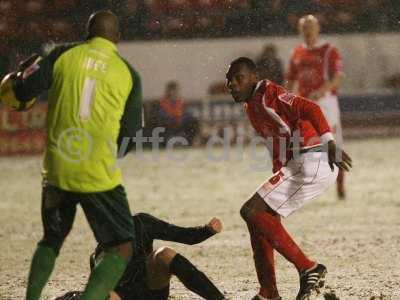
[[305, 163], [316, 66]]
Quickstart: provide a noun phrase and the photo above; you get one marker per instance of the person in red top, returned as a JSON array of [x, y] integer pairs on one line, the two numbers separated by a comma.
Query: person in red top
[[316, 66], [172, 104], [305, 163], [174, 115]]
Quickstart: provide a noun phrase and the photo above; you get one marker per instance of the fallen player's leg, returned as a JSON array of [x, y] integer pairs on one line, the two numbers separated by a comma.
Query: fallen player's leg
[[165, 262]]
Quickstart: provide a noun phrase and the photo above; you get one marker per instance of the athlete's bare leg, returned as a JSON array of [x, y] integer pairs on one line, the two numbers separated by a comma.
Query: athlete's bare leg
[[157, 267], [341, 192], [165, 262]]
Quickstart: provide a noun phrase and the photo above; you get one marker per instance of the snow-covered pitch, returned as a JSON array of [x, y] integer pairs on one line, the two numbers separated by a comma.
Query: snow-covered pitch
[[357, 239]]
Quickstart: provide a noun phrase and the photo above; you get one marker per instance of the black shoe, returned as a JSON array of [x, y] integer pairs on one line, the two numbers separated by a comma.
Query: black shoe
[[311, 280]]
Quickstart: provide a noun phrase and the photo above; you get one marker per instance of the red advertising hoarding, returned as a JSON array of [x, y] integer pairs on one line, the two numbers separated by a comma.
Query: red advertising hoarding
[[23, 132]]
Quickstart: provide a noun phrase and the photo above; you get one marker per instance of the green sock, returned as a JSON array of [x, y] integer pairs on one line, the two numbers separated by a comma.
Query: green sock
[[104, 277], [41, 267]]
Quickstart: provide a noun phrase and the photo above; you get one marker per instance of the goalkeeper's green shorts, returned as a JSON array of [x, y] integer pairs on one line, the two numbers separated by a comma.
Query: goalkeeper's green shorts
[[107, 212]]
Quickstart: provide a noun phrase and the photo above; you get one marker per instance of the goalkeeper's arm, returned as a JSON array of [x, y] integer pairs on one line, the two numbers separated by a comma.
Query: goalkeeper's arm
[[14, 80], [34, 76]]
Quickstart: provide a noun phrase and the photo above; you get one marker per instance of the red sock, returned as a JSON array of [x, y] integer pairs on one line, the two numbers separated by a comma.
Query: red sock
[[265, 264], [270, 228]]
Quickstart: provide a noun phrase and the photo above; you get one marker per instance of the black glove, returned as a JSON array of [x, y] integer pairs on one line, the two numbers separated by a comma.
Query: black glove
[[28, 62]]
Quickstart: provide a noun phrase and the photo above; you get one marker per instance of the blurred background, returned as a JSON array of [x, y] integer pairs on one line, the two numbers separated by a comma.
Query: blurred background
[[182, 49]]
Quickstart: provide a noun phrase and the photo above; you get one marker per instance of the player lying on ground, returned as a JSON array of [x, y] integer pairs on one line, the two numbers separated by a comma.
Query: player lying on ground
[[148, 275], [303, 169]]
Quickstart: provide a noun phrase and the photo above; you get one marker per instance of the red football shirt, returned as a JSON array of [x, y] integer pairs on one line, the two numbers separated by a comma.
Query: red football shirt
[[312, 67], [174, 109], [278, 116]]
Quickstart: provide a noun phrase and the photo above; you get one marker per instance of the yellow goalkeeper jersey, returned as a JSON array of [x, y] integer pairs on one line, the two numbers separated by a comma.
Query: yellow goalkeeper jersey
[[94, 101]]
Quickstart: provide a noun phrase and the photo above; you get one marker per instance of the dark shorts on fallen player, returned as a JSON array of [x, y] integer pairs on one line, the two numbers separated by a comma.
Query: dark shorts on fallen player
[[107, 213], [132, 285]]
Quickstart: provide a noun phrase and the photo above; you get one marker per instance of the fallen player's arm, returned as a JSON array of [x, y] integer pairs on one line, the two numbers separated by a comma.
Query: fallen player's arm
[[162, 230]]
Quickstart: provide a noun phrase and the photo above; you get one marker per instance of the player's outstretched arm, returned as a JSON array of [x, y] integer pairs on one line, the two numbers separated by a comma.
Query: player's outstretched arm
[[34, 76], [12, 82], [215, 225], [161, 230]]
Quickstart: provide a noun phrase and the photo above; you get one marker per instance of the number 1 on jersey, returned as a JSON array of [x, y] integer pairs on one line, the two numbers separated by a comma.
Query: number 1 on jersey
[[87, 98]]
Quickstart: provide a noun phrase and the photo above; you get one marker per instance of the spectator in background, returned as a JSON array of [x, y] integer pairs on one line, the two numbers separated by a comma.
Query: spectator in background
[[269, 65], [316, 66], [174, 116]]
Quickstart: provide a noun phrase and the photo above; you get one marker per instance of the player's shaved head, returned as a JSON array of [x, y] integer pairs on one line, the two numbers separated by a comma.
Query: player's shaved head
[[239, 63], [309, 28], [241, 78], [104, 24]]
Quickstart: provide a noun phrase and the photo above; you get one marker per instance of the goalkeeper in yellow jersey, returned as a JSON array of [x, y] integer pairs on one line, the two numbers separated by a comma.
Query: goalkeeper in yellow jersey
[[94, 109]]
